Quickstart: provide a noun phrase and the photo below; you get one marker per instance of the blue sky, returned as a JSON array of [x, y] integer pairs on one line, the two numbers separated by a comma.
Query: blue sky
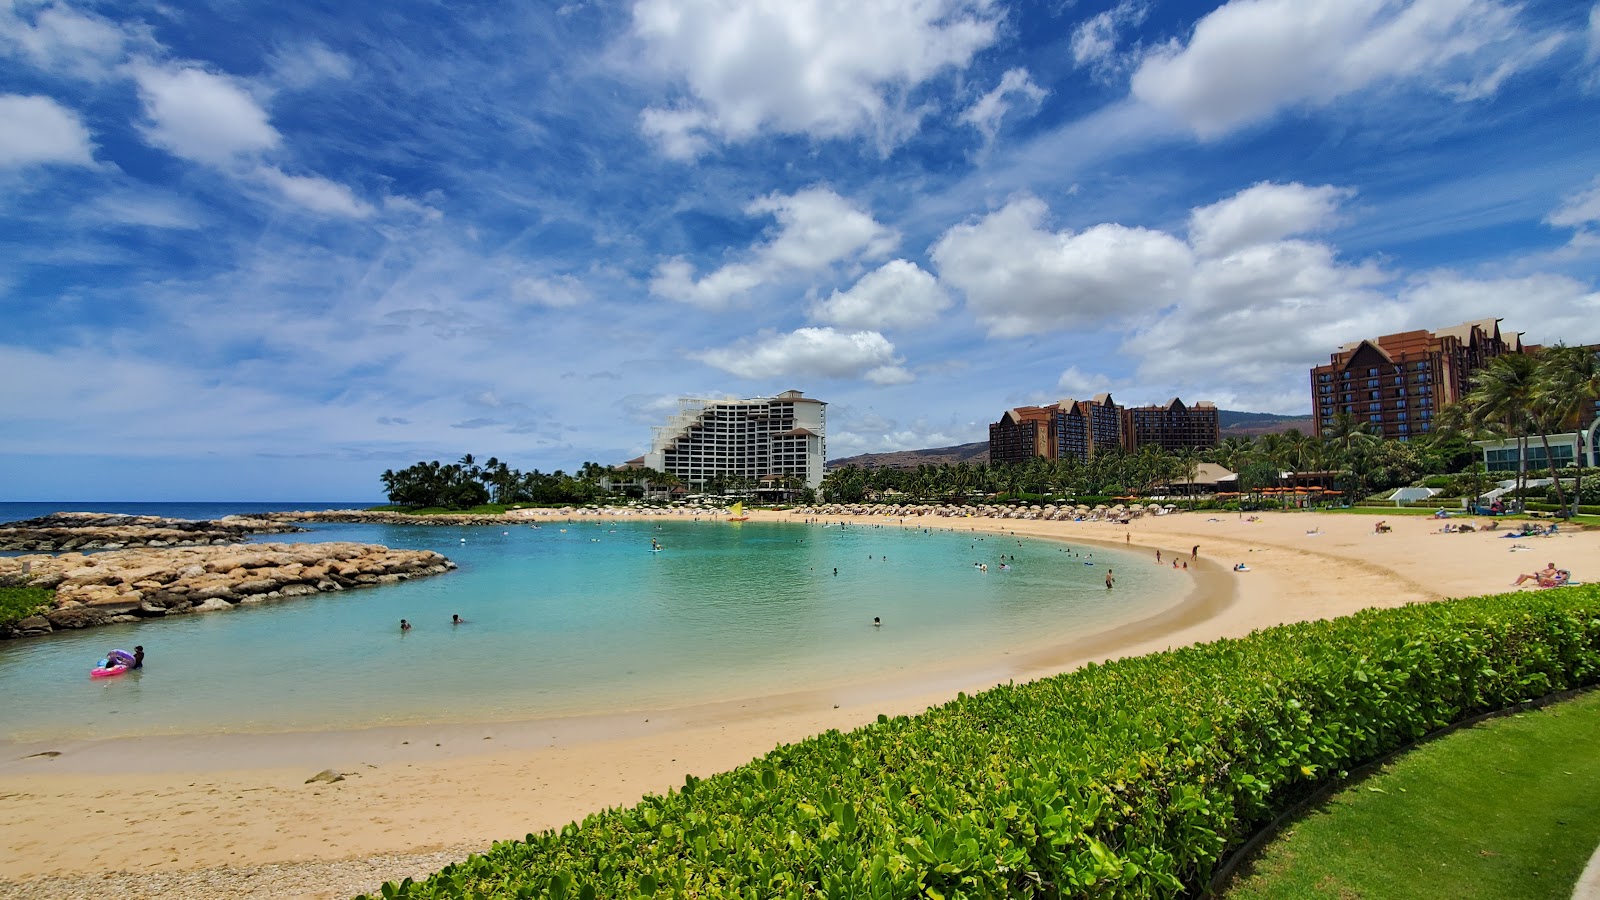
[[264, 251]]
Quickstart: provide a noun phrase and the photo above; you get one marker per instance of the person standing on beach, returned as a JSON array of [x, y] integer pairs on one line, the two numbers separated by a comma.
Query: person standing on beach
[[1195, 553], [1110, 579]]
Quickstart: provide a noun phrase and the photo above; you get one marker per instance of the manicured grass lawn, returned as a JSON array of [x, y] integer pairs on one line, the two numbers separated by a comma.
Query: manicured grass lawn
[[1509, 808], [21, 602]]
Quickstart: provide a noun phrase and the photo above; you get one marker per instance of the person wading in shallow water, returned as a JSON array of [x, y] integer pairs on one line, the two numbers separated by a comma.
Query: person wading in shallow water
[[1110, 579]]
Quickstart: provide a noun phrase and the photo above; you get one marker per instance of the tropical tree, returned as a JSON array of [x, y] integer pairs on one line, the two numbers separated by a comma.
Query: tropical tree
[[1502, 399], [1568, 389]]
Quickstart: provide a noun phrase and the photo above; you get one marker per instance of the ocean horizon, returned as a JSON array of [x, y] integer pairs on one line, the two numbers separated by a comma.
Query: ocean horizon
[[20, 510]]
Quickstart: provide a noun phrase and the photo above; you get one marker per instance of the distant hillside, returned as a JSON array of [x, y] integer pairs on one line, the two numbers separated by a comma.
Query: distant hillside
[[1231, 423], [1248, 424], [911, 459]]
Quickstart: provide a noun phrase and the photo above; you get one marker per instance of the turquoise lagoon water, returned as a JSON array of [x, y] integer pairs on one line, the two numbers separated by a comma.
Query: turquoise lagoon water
[[581, 618]]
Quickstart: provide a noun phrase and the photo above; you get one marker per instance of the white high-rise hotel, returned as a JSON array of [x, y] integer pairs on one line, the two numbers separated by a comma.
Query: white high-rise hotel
[[755, 438]]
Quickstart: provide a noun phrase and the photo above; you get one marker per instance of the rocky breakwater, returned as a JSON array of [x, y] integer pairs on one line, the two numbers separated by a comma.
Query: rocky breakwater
[[110, 531], [384, 517], [134, 585]]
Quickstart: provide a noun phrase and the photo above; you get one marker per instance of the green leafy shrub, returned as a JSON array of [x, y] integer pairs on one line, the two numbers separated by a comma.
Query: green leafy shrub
[[17, 603], [1130, 779], [1588, 489]]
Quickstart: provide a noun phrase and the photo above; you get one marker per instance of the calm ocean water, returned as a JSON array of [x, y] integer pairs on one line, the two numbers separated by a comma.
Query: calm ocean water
[[575, 618]]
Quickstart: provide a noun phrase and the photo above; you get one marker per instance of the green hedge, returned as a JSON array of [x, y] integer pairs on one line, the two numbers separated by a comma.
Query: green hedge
[[17, 603], [1130, 779]]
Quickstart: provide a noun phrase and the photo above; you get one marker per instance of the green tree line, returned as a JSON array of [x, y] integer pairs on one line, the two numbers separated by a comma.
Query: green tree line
[[1514, 396]]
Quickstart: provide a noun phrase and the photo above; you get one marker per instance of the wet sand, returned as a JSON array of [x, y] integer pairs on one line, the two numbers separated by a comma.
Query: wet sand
[[180, 804]]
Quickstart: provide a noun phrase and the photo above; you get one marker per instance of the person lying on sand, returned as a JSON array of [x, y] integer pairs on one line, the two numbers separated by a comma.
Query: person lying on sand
[[1548, 573]]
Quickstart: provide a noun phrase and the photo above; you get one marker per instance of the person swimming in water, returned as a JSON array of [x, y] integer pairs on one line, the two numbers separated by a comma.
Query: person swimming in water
[[457, 620], [404, 626]]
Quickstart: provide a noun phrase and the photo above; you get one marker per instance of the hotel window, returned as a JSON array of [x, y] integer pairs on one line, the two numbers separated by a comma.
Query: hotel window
[[1372, 382], [1374, 407], [1374, 395], [1371, 372], [1375, 418]]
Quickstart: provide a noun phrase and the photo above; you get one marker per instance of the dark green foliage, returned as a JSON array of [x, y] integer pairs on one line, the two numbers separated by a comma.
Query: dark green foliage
[[1130, 779], [18, 603]]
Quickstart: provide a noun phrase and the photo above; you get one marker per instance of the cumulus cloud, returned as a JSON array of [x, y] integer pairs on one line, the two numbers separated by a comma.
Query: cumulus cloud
[[816, 228], [1557, 305], [202, 116], [1580, 209], [813, 353], [1082, 385], [1020, 277], [64, 40], [1096, 41], [822, 68], [39, 130], [315, 193], [986, 114], [1250, 58], [1262, 213], [899, 294]]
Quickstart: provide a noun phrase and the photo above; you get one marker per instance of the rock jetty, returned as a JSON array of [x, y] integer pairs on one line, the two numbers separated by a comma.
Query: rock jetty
[[110, 531], [137, 584]]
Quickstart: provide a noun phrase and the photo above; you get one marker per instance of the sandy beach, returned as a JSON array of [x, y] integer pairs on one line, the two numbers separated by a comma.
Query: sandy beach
[[210, 815]]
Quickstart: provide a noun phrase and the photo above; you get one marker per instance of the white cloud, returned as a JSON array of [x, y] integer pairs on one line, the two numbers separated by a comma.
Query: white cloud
[[1593, 53], [986, 114], [898, 294], [678, 133], [1095, 42], [1250, 58], [823, 68], [1082, 385], [1262, 213], [202, 116], [62, 39], [315, 193], [1020, 277], [39, 130], [1548, 307], [145, 209], [816, 229], [560, 292], [811, 352], [1580, 209], [303, 65]]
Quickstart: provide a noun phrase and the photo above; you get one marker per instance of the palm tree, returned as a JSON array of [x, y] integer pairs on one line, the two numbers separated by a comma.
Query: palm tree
[[1568, 388], [1504, 393]]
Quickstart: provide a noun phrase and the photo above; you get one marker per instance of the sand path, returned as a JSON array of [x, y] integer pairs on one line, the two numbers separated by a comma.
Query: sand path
[[233, 814]]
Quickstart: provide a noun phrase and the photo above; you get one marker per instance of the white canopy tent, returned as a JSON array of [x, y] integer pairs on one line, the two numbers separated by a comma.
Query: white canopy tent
[[1405, 495]]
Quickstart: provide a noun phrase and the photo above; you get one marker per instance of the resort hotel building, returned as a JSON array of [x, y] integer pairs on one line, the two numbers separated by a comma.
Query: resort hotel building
[[764, 439], [1079, 428], [1397, 382]]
